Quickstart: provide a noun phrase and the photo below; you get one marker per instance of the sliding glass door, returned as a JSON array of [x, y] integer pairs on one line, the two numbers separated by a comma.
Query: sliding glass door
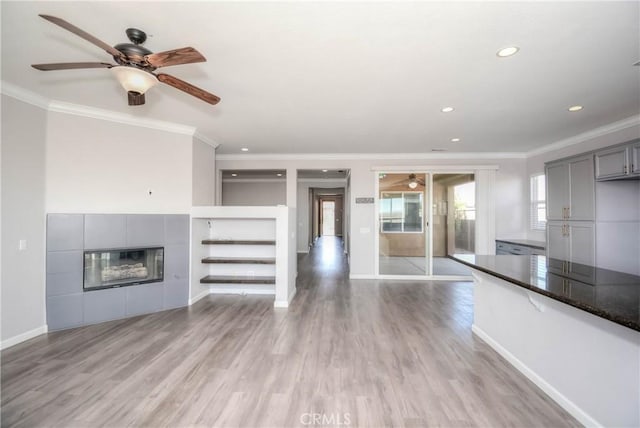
[[402, 224], [423, 218]]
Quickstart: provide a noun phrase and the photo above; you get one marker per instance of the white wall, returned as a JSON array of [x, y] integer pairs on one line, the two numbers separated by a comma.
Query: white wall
[[511, 206], [245, 192], [106, 167], [23, 218], [204, 173]]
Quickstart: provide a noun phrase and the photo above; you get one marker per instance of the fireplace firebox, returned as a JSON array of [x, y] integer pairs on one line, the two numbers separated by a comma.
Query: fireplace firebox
[[122, 267]]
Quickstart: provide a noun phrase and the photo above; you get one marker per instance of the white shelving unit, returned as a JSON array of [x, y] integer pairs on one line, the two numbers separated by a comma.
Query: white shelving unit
[[243, 250]]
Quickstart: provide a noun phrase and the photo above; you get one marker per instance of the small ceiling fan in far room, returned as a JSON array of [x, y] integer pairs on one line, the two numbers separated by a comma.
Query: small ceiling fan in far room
[[412, 181], [135, 64]]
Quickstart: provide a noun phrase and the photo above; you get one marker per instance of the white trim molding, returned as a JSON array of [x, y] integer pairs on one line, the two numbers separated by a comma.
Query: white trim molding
[[198, 135], [37, 100], [24, 337], [581, 138], [198, 296], [117, 117], [371, 156], [552, 392], [429, 168], [13, 91]]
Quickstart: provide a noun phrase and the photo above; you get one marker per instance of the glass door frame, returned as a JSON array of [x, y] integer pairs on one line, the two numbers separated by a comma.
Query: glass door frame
[[428, 201]]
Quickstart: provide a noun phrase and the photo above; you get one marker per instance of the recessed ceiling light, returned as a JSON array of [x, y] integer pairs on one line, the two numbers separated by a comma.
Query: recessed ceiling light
[[508, 51], [575, 108], [447, 109], [455, 140], [325, 170], [244, 149], [234, 175]]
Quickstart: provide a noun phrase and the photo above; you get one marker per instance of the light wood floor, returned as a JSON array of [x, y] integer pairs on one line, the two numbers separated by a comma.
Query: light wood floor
[[370, 353]]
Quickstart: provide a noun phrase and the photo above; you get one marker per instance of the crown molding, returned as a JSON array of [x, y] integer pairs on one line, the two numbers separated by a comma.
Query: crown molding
[[372, 156], [117, 117], [13, 91], [581, 138], [254, 180], [37, 100], [198, 135]]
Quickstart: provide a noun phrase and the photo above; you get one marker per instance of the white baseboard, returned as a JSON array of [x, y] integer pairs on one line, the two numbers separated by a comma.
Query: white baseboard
[[198, 297], [284, 303], [24, 337], [555, 395]]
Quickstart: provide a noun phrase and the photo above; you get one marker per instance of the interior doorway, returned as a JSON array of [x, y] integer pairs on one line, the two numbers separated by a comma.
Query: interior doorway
[[328, 218]]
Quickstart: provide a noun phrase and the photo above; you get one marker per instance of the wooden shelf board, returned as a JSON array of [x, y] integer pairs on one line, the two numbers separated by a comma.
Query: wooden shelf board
[[241, 260], [237, 242], [227, 279]]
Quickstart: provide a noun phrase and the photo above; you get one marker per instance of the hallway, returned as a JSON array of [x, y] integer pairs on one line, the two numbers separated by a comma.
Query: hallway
[[371, 353]]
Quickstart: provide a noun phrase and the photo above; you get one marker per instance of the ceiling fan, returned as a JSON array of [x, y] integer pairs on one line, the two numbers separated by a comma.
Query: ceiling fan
[[135, 64], [412, 181]]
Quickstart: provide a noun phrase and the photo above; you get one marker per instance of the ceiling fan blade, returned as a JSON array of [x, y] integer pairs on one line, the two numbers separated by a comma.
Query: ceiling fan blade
[[81, 33], [175, 57], [188, 88], [70, 65]]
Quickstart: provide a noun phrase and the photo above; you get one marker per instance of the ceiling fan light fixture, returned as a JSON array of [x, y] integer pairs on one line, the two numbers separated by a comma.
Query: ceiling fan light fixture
[[133, 79], [413, 184]]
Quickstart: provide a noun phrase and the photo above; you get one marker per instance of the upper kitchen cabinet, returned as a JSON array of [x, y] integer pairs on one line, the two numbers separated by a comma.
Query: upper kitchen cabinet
[[619, 162], [571, 189]]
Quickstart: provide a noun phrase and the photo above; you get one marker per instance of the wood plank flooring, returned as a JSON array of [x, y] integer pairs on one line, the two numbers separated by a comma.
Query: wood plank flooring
[[358, 353]]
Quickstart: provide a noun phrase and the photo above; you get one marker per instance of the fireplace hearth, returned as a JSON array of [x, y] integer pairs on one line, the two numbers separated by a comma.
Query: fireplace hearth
[[110, 268]]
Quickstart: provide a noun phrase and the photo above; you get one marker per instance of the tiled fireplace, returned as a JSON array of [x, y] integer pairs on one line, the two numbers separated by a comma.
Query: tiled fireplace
[[102, 267]]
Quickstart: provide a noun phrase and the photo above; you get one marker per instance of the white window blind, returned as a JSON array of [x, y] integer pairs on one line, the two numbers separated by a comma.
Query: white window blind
[[538, 213]]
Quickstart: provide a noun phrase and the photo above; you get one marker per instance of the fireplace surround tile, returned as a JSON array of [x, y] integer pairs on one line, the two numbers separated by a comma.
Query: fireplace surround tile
[[176, 229], [176, 294], [144, 298], [65, 311], [69, 306], [176, 264], [104, 305], [145, 230], [105, 231], [65, 232]]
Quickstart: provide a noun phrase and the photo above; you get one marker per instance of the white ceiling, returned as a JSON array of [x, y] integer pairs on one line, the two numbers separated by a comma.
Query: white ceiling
[[352, 77]]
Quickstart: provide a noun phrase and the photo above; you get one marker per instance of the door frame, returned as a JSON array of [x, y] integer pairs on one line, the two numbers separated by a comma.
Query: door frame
[[484, 176]]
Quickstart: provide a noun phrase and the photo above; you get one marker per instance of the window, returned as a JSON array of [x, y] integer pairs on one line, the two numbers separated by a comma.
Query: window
[[538, 214], [401, 212]]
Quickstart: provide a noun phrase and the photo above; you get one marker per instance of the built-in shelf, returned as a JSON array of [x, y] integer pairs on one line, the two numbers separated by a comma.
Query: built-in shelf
[[241, 260], [236, 279], [236, 242]]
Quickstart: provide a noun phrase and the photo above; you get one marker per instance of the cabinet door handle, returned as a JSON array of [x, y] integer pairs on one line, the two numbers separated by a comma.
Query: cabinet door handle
[[625, 169]]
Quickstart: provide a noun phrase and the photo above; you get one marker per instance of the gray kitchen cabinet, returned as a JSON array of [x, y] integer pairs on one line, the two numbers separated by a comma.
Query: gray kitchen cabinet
[[618, 162], [635, 158], [571, 189], [572, 242]]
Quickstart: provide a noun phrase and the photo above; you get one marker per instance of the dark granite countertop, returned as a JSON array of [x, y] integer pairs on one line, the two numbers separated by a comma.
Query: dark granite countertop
[[526, 242], [608, 294]]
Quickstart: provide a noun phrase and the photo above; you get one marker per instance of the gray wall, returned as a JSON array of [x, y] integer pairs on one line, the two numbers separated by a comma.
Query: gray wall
[[68, 235], [254, 192], [23, 218]]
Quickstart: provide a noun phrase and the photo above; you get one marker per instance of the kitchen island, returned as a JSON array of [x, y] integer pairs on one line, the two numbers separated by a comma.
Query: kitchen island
[[574, 330]]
